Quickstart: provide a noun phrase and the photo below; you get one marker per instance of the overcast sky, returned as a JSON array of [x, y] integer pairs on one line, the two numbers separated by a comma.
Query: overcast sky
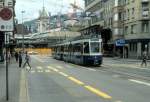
[[32, 7]]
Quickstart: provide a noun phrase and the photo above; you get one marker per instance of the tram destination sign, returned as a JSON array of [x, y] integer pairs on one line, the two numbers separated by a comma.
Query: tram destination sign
[[6, 19]]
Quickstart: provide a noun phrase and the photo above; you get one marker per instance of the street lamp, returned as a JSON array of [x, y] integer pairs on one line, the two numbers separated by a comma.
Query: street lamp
[[22, 12]]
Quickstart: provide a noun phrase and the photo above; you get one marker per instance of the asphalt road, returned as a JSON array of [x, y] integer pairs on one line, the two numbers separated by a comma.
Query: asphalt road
[[51, 80]]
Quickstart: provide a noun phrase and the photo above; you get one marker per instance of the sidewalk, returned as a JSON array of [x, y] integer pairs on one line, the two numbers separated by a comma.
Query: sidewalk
[[14, 82], [128, 60], [125, 63]]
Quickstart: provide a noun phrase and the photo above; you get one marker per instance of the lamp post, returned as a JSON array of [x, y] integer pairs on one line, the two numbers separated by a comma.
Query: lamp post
[[22, 12]]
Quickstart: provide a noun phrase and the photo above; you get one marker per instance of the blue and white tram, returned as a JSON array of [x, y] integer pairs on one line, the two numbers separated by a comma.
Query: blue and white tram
[[83, 51], [87, 52]]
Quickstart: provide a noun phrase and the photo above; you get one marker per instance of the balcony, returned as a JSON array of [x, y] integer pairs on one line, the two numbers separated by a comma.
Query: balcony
[[145, 15]]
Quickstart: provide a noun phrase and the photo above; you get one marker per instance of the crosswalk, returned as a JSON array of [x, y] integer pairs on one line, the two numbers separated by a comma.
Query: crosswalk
[[45, 69]]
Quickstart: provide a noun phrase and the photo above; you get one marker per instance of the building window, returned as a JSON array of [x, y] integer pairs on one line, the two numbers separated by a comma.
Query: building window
[[128, 14], [133, 11], [145, 26], [120, 16], [133, 29], [126, 30]]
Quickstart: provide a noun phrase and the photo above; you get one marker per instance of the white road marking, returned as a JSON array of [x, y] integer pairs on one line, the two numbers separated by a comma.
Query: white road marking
[[116, 76], [140, 82], [39, 67], [122, 65], [47, 71], [50, 67], [32, 71], [60, 67], [91, 69], [63, 74], [28, 68], [40, 71], [118, 101], [54, 69]]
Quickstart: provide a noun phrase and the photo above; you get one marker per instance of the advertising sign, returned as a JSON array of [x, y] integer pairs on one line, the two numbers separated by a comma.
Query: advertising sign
[[120, 42]]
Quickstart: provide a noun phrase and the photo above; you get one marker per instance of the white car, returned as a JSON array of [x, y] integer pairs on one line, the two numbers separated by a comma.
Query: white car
[[32, 53]]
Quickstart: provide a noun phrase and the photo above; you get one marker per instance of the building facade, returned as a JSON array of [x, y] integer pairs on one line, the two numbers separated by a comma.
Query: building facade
[[43, 22], [123, 19]]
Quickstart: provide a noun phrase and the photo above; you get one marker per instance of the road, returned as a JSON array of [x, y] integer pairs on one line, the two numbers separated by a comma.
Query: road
[[51, 80]]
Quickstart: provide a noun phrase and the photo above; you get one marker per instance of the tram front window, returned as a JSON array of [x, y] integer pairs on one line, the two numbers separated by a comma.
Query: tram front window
[[95, 47]]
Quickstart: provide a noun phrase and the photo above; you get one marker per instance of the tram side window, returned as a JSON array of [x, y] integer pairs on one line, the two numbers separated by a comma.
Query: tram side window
[[86, 47], [77, 48]]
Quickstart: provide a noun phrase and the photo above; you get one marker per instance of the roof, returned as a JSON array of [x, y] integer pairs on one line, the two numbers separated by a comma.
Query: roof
[[43, 14]]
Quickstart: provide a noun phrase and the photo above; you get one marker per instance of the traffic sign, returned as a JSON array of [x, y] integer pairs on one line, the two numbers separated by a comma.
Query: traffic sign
[[6, 19], [120, 42], [6, 14]]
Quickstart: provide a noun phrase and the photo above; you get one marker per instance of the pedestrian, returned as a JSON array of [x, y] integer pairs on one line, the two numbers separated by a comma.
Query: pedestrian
[[20, 59], [16, 56], [27, 60], [144, 59]]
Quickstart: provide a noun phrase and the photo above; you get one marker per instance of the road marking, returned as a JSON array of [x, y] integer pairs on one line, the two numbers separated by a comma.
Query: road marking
[[118, 101], [98, 92], [60, 67], [50, 67], [32, 71], [40, 71], [116, 76], [64, 74], [140, 82], [76, 80], [47, 71], [91, 69], [24, 94], [56, 70], [122, 65], [39, 67], [27, 67]]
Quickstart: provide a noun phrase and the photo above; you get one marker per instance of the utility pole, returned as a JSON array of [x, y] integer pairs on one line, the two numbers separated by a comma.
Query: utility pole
[[7, 81], [22, 31]]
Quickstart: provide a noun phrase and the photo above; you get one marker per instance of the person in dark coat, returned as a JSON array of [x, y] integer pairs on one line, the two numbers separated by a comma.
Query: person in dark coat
[[16, 56], [144, 59], [20, 59]]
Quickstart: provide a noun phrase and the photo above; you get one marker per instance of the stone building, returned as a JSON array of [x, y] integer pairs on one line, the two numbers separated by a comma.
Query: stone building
[[43, 22], [122, 19]]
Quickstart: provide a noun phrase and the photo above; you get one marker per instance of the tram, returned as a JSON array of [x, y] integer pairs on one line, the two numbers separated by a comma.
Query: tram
[[82, 51]]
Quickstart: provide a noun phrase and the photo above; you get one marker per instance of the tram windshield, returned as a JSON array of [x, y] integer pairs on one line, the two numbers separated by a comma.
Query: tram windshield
[[95, 47]]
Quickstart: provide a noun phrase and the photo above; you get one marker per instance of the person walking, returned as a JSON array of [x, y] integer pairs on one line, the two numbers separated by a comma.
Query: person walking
[[27, 60], [144, 59], [20, 59], [16, 56]]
